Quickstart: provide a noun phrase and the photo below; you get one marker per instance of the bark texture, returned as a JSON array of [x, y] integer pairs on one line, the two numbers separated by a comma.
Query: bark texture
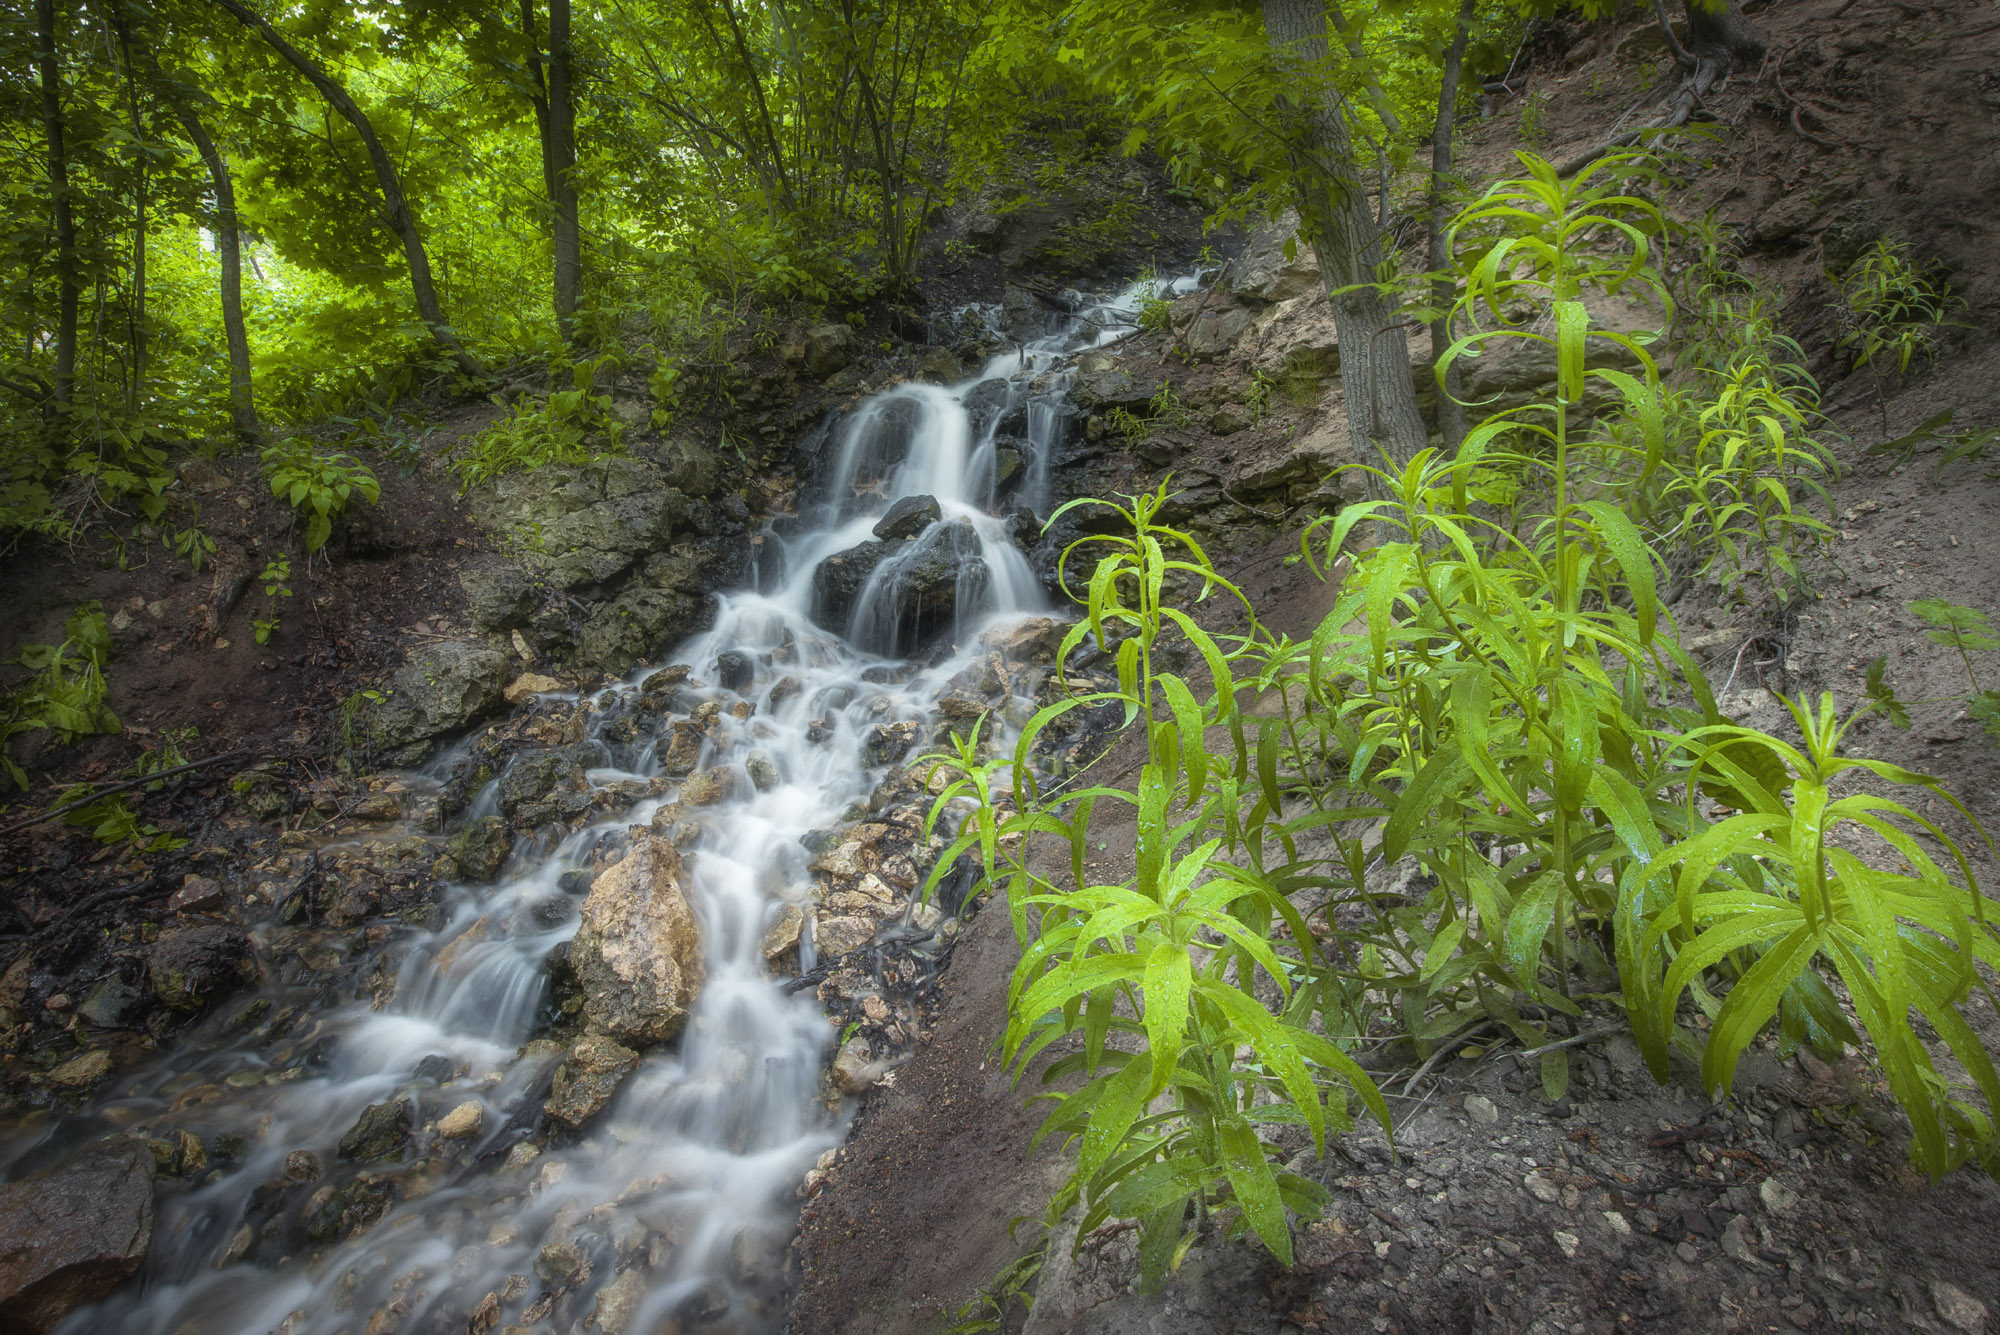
[[1382, 414], [68, 285], [562, 166], [1450, 412], [229, 250]]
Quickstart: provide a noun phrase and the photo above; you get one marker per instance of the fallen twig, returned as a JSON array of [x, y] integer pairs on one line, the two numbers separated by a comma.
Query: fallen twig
[[105, 790]]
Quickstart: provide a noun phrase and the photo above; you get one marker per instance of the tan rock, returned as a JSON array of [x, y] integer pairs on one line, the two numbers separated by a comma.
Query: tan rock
[[464, 1120], [637, 951], [530, 683], [587, 1079], [784, 933], [709, 787], [841, 934], [83, 1071]]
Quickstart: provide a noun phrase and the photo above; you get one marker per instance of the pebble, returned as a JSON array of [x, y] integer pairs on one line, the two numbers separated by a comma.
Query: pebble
[[1481, 1110], [1543, 1190], [1777, 1197], [1567, 1241], [1618, 1223]]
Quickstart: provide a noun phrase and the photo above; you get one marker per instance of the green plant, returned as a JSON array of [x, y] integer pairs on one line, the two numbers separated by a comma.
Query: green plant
[[1966, 630], [1891, 308], [1167, 978], [1258, 397], [1156, 310], [66, 694], [570, 426], [276, 581], [318, 486], [111, 820], [1952, 446], [1535, 118]]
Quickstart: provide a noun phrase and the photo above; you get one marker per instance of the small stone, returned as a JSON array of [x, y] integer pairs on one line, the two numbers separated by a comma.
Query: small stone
[[1543, 1190], [377, 808], [1481, 1110], [562, 1265], [81, 1072], [1777, 1197], [302, 1166], [708, 787], [198, 894], [1618, 1223], [854, 1068], [1687, 1251], [1736, 1244], [523, 1154], [587, 1079], [784, 933], [1957, 1308], [378, 1133], [1567, 1241], [618, 1302], [763, 773], [464, 1120], [529, 683]]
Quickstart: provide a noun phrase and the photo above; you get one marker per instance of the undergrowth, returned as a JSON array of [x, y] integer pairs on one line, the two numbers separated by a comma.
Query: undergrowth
[[1499, 702]]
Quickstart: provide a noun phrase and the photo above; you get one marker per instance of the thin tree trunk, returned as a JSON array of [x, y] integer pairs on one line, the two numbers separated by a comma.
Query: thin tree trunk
[[136, 321], [228, 249], [562, 171], [1444, 291], [538, 95], [395, 208], [1381, 398], [65, 226]]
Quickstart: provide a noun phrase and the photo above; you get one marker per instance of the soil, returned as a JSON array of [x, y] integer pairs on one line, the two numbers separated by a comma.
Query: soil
[[1625, 1205]]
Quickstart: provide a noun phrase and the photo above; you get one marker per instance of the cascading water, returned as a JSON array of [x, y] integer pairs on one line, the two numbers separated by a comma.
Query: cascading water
[[677, 1202]]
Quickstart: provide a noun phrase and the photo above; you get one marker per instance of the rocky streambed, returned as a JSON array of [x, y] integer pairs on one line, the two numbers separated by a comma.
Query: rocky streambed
[[551, 1029]]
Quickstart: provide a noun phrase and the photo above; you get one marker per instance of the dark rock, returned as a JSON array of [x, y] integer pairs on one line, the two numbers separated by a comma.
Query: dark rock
[[1021, 314], [583, 524], [693, 469], [114, 1004], [333, 1213], [436, 1068], [939, 367], [994, 404], [440, 689], [73, 1232], [197, 966], [735, 669], [533, 781], [907, 518], [638, 624], [1007, 465], [588, 1078], [480, 848], [1104, 380], [499, 596], [829, 348], [889, 742], [838, 581], [381, 1132], [920, 589]]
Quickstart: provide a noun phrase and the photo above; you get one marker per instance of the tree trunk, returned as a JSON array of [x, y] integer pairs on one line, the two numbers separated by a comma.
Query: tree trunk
[[228, 249], [65, 226], [1720, 25], [1382, 414], [538, 94], [136, 321], [562, 169], [1444, 291], [395, 209]]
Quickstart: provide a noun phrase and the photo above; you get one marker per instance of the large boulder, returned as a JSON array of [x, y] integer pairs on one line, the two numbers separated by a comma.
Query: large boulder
[[921, 588], [73, 1232], [440, 689], [540, 786], [829, 348], [584, 523], [839, 580], [994, 404], [1214, 333], [637, 951], [1104, 380], [500, 595], [1264, 272], [198, 966], [639, 623]]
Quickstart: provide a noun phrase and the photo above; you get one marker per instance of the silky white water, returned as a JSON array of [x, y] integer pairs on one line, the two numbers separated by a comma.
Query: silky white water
[[688, 1181]]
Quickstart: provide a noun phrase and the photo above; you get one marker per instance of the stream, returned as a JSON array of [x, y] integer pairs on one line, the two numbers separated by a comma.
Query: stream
[[674, 1208]]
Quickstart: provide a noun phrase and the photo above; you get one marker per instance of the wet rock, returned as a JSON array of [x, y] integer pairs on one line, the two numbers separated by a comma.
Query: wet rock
[[709, 787], [784, 933], [480, 849], [1103, 381], [532, 786], [197, 966], [839, 580], [1021, 313], [440, 689], [889, 742], [587, 1079], [829, 348], [841, 934], [922, 588], [908, 517], [783, 689], [1032, 641], [683, 749], [113, 1004], [381, 1132], [618, 1302], [735, 669], [462, 1121], [377, 808], [198, 894], [336, 1212], [73, 1232], [300, 1166], [939, 367], [855, 1070], [993, 402], [1007, 465], [638, 624], [763, 772], [529, 684], [82, 1071], [500, 596], [637, 951]]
